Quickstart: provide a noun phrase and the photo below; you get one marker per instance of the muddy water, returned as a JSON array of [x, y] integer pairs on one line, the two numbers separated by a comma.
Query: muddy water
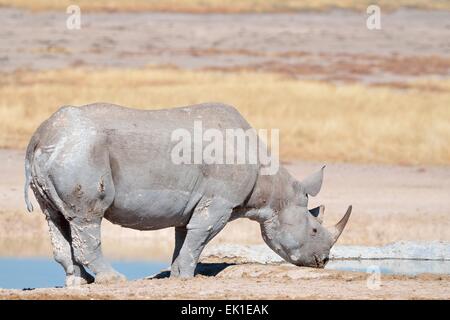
[[30, 273]]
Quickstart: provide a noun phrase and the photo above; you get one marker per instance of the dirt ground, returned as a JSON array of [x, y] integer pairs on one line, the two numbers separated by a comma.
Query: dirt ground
[[331, 46], [256, 282]]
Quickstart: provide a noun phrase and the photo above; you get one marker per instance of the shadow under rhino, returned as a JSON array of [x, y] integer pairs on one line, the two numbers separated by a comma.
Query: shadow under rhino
[[203, 269]]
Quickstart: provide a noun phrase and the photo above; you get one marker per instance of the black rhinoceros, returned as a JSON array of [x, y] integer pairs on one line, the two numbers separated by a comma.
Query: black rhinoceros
[[106, 161]]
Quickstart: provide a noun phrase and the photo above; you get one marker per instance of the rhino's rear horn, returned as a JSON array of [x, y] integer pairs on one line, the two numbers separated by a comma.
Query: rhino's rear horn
[[339, 227]]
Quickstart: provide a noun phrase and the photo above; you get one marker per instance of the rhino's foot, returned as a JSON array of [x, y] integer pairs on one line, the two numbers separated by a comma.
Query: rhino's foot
[[109, 277], [183, 274], [78, 280], [176, 272]]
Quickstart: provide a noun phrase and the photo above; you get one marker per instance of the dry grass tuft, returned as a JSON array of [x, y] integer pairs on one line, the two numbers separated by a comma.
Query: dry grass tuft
[[317, 121], [226, 6]]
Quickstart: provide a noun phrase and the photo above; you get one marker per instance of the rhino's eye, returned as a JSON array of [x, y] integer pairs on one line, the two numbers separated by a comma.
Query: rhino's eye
[[314, 230]]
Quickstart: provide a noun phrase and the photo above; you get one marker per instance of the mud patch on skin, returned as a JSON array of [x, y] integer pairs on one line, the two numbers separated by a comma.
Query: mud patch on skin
[[78, 192], [202, 208], [101, 186]]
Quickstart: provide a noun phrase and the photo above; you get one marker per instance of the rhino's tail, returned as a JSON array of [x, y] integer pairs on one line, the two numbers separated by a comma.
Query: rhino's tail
[[28, 170]]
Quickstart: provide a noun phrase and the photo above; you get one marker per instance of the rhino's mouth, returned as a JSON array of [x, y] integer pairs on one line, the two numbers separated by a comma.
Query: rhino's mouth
[[317, 263], [316, 259], [320, 263]]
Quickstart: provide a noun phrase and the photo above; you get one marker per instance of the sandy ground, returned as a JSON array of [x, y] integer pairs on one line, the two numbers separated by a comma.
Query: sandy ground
[[331, 46]]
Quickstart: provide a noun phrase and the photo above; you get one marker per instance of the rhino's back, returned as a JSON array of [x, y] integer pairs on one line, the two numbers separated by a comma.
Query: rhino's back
[[140, 144], [149, 187], [212, 115]]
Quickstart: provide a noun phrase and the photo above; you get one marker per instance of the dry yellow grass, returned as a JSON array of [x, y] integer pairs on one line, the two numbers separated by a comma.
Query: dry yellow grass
[[317, 121], [202, 6]]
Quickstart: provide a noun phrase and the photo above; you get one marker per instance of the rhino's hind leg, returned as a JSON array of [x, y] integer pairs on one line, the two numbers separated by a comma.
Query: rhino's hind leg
[[86, 244], [209, 217], [61, 238]]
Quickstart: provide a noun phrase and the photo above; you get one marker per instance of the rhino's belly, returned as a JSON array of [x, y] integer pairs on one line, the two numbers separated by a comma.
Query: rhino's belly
[[151, 209]]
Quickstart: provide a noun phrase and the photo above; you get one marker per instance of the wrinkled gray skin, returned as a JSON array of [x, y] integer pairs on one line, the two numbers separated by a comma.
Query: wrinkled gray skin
[[105, 161]]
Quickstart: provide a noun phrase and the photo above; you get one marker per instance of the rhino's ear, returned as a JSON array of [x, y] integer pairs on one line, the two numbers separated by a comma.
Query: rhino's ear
[[313, 183]]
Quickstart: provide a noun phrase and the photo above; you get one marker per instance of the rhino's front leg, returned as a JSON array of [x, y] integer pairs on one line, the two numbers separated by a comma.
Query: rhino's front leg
[[180, 237], [209, 217], [86, 244]]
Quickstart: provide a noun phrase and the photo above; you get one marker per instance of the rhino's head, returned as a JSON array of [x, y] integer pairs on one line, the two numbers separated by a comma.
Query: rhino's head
[[296, 233]]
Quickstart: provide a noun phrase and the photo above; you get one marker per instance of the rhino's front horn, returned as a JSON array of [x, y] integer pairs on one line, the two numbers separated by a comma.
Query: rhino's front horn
[[339, 227]]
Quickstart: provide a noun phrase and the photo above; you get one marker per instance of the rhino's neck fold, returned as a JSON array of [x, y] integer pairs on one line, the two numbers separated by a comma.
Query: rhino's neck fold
[[272, 192], [260, 215], [269, 196]]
